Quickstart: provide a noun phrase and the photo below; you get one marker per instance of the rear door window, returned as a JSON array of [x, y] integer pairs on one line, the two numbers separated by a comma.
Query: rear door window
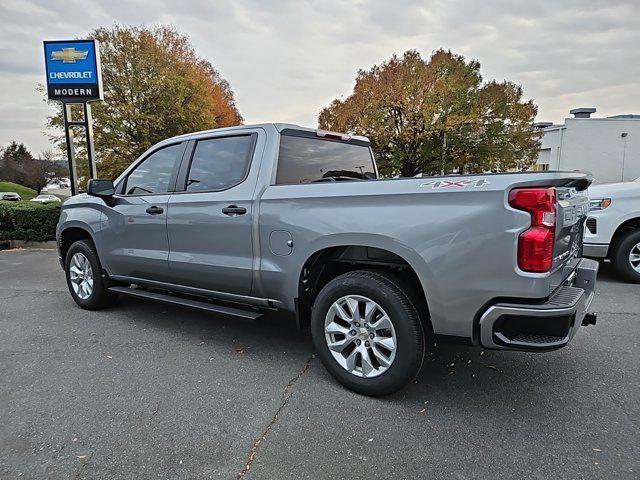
[[219, 163]]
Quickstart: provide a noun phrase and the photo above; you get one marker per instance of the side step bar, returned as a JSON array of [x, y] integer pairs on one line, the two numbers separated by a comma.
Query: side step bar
[[186, 302]]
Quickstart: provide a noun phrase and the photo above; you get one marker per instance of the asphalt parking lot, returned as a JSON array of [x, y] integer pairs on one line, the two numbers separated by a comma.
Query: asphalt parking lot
[[148, 391]]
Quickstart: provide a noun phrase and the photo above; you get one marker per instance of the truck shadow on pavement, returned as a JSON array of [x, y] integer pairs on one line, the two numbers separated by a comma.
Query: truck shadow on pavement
[[459, 377], [607, 272]]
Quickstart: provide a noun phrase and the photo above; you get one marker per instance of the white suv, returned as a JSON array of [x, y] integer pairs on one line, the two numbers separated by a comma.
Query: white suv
[[613, 227]]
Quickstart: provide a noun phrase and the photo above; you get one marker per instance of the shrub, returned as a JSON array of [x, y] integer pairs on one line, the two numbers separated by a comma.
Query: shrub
[[28, 221]]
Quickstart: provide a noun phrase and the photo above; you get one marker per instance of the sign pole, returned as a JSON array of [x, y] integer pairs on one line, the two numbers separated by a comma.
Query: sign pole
[[91, 154], [68, 132]]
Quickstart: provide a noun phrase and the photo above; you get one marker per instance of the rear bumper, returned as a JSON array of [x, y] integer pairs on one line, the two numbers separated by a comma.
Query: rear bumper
[[541, 326], [595, 250]]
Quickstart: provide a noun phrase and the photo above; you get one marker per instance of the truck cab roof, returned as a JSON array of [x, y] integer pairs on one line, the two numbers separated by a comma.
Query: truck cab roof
[[277, 125]]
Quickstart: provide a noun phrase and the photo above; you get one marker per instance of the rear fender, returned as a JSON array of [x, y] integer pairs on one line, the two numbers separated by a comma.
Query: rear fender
[[425, 275]]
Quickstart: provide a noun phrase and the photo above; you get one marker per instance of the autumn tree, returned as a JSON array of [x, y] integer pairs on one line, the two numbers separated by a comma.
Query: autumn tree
[[14, 163], [18, 165], [155, 87], [13, 156], [37, 174], [437, 116]]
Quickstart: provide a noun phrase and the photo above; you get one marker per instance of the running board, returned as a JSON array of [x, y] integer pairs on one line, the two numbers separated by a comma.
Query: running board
[[186, 302]]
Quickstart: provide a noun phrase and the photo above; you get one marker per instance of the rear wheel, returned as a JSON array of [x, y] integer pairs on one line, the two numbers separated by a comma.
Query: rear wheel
[[626, 257], [84, 277], [367, 332]]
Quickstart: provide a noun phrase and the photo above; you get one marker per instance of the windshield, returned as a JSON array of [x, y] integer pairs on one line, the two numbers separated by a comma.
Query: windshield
[[310, 159]]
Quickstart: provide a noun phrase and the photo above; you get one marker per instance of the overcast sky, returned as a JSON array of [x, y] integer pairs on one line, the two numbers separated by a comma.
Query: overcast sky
[[286, 59]]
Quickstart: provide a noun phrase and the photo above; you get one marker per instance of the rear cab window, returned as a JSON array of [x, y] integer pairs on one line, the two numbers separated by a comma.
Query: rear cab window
[[306, 158]]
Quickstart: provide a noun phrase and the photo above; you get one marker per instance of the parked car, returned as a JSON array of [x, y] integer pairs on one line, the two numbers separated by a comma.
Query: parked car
[[613, 227], [248, 219], [57, 184], [10, 196], [45, 199]]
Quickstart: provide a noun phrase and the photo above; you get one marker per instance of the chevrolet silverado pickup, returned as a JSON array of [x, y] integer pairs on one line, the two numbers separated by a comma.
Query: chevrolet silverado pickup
[[244, 220]]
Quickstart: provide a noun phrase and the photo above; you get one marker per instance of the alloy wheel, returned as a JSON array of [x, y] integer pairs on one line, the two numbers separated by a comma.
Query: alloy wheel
[[360, 336], [81, 275], [634, 257]]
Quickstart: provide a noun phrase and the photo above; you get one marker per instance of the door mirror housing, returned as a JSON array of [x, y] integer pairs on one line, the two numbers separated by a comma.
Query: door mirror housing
[[101, 188]]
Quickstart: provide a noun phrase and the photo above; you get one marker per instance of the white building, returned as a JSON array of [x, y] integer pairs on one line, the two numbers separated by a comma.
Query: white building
[[608, 147]]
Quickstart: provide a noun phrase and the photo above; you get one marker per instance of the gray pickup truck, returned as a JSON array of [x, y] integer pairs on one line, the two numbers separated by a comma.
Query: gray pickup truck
[[248, 219]]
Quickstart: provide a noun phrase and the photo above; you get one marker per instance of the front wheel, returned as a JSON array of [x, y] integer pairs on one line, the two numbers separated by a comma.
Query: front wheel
[[627, 256], [84, 277], [367, 332]]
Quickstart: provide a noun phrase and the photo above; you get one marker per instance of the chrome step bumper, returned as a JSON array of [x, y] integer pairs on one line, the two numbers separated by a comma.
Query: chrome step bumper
[[543, 326]]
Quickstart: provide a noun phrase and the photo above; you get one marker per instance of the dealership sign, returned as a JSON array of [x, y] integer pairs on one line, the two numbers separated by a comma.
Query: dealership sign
[[73, 70], [73, 77]]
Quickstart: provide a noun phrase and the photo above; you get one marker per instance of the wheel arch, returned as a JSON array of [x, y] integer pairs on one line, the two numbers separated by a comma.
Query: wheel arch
[[629, 224], [72, 233], [340, 254]]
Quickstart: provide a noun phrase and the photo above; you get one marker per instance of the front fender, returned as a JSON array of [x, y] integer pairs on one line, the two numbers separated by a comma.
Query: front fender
[[84, 213]]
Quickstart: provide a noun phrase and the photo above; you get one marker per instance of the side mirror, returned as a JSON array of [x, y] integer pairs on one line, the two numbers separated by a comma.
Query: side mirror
[[101, 188]]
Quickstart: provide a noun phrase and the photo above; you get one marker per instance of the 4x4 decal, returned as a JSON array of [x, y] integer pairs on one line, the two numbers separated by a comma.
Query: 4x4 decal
[[464, 183]]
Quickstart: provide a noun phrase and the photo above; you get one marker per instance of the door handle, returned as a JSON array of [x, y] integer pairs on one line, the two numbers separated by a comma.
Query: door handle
[[234, 210], [155, 210]]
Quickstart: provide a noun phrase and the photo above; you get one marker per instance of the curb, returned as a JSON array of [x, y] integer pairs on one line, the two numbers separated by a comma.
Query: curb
[[12, 244]]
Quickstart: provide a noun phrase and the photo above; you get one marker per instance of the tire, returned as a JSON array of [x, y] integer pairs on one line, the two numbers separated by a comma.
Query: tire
[[346, 359], [82, 257], [628, 245]]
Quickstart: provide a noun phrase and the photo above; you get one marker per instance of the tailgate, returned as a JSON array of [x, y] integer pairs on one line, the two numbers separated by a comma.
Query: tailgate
[[571, 214]]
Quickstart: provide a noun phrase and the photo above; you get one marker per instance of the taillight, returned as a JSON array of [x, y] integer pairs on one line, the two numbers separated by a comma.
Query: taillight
[[535, 245]]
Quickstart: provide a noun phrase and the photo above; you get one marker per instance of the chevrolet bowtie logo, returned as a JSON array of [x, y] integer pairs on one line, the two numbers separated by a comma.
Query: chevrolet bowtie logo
[[69, 55]]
